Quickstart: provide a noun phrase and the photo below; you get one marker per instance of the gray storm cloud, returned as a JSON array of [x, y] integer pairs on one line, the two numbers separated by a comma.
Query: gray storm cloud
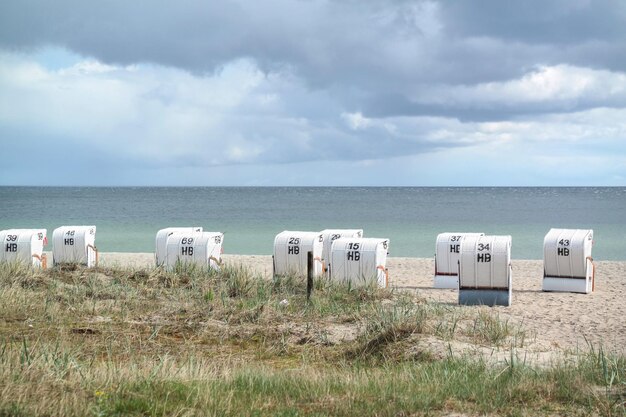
[[197, 83], [374, 46]]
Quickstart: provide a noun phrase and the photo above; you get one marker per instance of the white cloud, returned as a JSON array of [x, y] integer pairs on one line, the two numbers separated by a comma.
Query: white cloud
[[559, 83], [356, 121], [246, 123], [561, 86], [91, 66], [160, 115], [147, 111]]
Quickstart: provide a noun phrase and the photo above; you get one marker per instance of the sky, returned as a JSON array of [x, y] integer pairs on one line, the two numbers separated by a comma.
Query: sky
[[312, 92]]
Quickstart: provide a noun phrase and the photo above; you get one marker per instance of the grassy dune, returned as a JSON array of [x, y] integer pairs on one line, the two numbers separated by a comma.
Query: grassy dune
[[192, 342]]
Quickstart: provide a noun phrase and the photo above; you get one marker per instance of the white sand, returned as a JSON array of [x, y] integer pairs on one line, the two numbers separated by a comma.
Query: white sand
[[560, 321]]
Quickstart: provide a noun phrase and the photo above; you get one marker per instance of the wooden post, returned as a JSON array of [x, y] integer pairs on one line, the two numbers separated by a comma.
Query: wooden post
[[309, 275]]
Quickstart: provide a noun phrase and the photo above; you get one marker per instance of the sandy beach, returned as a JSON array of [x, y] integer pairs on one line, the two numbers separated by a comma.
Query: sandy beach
[[558, 321]]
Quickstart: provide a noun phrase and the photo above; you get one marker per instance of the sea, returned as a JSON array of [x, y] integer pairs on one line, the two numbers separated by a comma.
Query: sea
[[127, 218]]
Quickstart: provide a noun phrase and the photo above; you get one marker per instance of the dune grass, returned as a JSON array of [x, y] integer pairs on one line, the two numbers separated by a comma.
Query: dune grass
[[114, 341]]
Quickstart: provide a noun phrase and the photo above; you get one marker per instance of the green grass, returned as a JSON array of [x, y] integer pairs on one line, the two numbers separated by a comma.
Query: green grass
[[114, 341], [489, 329]]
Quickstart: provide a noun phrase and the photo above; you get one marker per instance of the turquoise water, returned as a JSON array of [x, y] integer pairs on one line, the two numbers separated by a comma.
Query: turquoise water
[[128, 218]]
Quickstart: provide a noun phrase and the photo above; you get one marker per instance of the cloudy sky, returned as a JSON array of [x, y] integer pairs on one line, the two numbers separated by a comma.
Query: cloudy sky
[[312, 92]]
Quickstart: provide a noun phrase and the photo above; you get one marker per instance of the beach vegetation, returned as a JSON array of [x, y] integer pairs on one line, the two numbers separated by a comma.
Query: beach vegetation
[[147, 342]]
